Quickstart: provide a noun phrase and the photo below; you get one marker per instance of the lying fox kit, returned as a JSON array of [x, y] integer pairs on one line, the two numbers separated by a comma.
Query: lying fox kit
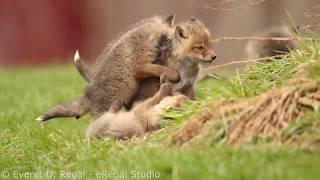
[[261, 49], [120, 68], [144, 117]]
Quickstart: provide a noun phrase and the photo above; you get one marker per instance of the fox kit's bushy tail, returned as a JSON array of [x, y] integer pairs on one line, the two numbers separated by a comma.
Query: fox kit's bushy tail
[[75, 108], [83, 70]]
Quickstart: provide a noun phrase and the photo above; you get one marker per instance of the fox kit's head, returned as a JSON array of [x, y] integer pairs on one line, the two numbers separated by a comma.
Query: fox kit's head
[[192, 40]]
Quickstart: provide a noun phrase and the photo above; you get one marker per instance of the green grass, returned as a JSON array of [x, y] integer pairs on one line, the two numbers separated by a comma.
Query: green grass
[[60, 145]]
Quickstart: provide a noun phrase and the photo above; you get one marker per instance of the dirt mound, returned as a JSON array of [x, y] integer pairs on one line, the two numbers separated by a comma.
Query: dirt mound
[[266, 115]]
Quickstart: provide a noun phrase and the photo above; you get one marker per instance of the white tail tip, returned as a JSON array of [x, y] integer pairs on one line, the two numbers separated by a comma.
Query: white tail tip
[[40, 119], [76, 56]]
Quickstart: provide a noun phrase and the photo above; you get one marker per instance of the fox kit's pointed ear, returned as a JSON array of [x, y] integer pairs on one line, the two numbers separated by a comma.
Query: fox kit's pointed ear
[[181, 33], [193, 19], [170, 20]]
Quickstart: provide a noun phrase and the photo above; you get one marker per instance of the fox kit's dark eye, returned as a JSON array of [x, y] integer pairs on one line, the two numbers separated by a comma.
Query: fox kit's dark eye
[[200, 48]]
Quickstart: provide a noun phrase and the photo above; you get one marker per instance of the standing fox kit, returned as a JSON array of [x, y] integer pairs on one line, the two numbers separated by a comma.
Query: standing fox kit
[[195, 46], [144, 117], [133, 58]]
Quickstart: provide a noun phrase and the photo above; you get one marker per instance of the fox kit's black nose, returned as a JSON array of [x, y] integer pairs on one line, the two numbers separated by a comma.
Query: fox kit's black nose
[[213, 58]]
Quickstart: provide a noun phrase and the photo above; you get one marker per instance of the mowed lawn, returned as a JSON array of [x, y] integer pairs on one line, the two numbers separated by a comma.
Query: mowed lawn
[[59, 149]]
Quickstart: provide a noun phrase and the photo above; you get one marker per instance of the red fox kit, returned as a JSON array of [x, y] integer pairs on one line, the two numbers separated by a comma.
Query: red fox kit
[[190, 45], [144, 117], [120, 68]]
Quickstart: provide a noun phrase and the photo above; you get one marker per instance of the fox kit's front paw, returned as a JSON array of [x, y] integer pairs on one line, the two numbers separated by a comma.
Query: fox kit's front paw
[[166, 89], [178, 98], [164, 78], [172, 76], [169, 76], [176, 77]]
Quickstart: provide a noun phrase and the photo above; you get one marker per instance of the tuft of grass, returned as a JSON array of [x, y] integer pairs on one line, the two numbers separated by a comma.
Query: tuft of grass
[[282, 76]]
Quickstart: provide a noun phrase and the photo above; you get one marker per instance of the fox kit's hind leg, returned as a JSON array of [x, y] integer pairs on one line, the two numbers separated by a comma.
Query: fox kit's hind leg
[[145, 111], [70, 109], [149, 115], [115, 106], [164, 91]]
